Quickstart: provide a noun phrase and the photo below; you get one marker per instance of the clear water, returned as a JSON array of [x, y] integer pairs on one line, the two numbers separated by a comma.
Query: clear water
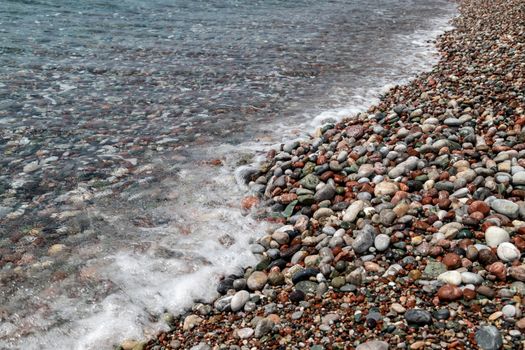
[[160, 88]]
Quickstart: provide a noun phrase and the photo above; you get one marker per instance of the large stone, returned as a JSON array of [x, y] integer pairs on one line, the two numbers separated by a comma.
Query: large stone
[[519, 178], [518, 272], [505, 207], [257, 280], [239, 299], [508, 252], [494, 236], [364, 239], [489, 338]]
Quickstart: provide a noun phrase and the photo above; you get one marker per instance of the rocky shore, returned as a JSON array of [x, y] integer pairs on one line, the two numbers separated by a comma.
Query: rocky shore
[[399, 228]]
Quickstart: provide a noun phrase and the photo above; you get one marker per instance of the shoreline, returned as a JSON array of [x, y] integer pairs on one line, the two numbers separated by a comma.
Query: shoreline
[[393, 248]]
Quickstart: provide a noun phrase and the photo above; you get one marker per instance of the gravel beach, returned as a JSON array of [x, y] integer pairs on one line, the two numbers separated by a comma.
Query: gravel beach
[[399, 228]]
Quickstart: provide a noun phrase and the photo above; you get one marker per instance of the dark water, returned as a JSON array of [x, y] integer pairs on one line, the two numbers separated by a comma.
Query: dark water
[[99, 96]]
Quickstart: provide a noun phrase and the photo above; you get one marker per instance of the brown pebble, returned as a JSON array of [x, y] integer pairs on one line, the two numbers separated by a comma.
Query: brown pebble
[[479, 206], [486, 291], [487, 257], [498, 269], [452, 261], [449, 292]]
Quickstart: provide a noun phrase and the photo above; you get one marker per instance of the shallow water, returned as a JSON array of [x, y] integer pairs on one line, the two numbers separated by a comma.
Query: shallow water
[[110, 113]]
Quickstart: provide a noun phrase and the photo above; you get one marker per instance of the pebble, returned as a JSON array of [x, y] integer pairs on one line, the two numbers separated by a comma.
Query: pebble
[[418, 317], [508, 252], [509, 311], [385, 189], [257, 280], [489, 338], [505, 207], [373, 345], [381, 242], [451, 277], [496, 235], [264, 326], [364, 239], [245, 333], [353, 211], [239, 299]]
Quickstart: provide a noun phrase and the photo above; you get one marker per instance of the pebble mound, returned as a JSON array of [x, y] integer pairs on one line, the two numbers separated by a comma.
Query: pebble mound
[[402, 227]]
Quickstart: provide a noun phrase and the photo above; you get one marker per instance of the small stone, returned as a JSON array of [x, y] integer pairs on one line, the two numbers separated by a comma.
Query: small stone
[[264, 326], [418, 317], [381, 242], [434, 269], [398, 308], [509, 311], [307, 287], [257, 280], [496, 235], [486, 291], [487, 257], [508, 252], [56, 249], [521, 324], [498, 269], [275, 278], [323, 213], [310, 181], [338, 282], [296, 296], [385, 188], [489, 338], [245, 333], [191, 321]]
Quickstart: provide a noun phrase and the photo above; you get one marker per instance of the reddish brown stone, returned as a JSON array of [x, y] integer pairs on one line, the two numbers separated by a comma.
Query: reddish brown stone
[[249, 202], [452, 261], [498, 269], [479, 206], [487, 257], [469, 294], [449, 292]]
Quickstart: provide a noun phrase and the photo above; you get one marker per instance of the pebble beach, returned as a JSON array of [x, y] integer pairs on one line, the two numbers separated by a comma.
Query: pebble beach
[[402, 227]]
